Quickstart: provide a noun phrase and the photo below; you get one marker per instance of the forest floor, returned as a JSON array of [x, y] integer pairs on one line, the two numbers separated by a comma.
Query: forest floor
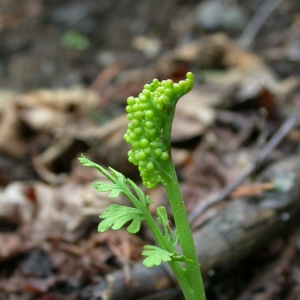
[[66, 70]]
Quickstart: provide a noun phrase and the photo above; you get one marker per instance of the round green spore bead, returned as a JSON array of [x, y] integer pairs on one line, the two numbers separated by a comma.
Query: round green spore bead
[[135, 145], [154, 145], [145, 106], [144, 173], [164, 156], [147, 151], [169, 84], [167, 100], [133, 136], [135, 123], [138, 115], [142, 98], [144, 143], [151, 185], [128, 108], [181, 84], [130, 127], [149, 124], [177, 90], [150, 167], [158, 152], [153, 179], [138, 130], [141, 155], [159, 107], [130, 117], [127, 139], [169, 93], [147, 115], [142, 163], [151, 133], [130, 100], [160, 90], [190, 76], [155, 82], [160, 100], [135, 107]]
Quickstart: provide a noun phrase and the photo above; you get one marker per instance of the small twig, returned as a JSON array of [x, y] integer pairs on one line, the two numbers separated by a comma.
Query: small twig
[[256, 23], [271, 145]]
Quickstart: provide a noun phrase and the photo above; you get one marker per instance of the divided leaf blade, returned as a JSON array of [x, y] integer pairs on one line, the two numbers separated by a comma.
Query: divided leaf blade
[[88, 163], [145, 200], [155, 256], [114, 189], [115, 216]]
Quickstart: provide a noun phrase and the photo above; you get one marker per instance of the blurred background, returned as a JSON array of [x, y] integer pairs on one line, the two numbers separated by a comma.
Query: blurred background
[[58, 44], [66, 70]]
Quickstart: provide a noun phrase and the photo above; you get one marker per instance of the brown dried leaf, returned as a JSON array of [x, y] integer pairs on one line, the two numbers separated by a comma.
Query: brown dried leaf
[[10, 140], [15, 205], [39, 285], [251, 190], [44, 119], [191, 118], [64, 100], [107, 143], [124, 245], [57, 207], [11, 245], [207, 52]]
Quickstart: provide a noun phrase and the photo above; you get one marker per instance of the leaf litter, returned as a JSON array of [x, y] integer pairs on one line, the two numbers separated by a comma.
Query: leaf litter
[[49, 246]]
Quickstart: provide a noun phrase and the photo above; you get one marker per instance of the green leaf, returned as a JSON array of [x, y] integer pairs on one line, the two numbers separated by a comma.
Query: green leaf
[[88, 163], [145, 200], [162, 216], [75, 40], [155, 256], [115, 216], [174, 240], [114, 189], [181, 258], [120, 184], [148, 200], [119, 176]]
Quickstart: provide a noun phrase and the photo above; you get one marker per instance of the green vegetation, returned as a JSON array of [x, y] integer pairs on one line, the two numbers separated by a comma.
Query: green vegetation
[[74, 40], [150, 118]]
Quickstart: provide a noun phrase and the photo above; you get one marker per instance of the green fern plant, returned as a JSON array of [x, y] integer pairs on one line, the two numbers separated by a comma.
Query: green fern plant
[[150, 118]]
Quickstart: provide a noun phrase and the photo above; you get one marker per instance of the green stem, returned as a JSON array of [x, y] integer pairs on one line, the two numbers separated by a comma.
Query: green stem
[[176, 267], [192, 284], [185, 234]]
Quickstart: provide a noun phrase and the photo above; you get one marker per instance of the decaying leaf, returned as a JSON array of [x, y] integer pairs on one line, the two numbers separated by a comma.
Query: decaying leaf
[[15, 206], [192, 117]]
